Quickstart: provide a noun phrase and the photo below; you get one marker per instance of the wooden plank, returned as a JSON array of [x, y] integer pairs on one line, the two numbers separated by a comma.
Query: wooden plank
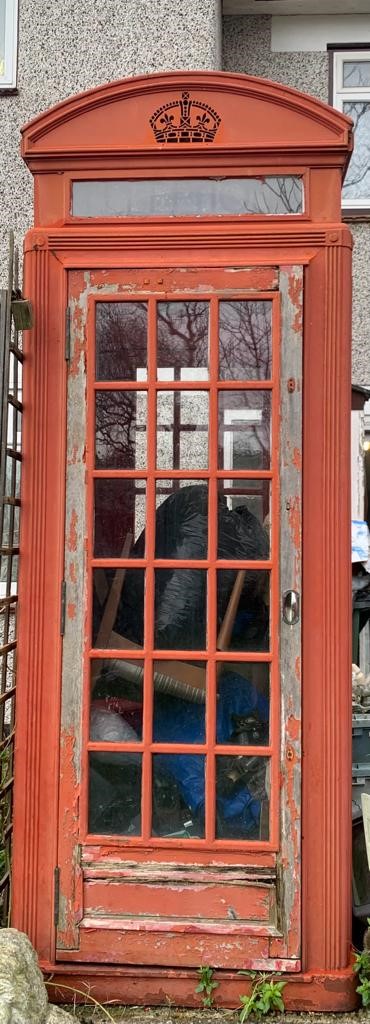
[[189, 946], [229, 901]]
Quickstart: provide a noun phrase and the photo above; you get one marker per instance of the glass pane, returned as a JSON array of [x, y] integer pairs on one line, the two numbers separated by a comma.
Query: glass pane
[[121, 341], [116, 710], [356, 74], [357, 180], [178, 795], [182, 430], [181, 519], [120, 429], [245, 628], [244, 425], [182, 340], [118, 607], [245, 340], [243, 519], [187, 197], [179, 702], [180, 609], [119, 518], [242, 797], [243, 704], [115, 793]]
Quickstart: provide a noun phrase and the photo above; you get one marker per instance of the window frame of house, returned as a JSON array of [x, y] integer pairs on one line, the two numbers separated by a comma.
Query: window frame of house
[[340, 94], [8, 80]]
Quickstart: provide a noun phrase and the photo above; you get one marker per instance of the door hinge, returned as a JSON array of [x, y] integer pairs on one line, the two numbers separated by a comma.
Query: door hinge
[[56, 895], [68, 335], [63, 591]]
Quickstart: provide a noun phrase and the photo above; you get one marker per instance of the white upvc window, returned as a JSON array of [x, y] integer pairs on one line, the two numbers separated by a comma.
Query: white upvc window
[[351, 94], [8, 43]]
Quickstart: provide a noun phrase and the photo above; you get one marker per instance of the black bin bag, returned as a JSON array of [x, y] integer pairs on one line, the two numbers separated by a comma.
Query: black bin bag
[[180, 594]]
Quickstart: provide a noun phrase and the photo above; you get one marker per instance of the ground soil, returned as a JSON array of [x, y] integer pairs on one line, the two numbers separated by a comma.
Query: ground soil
[[170, 1015]]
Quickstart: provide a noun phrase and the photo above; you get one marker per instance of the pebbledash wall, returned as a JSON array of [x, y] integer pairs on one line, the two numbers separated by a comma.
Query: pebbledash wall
[[65, 49]]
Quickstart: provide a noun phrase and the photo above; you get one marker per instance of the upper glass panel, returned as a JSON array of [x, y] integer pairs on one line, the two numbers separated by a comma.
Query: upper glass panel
[[182, 340], [187, 197], [357, 180], [121, 341], [356, 74], [245, 340]]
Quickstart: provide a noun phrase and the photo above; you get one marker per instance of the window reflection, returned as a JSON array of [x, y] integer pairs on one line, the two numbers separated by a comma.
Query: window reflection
[[245, 340], [120, 426], [119, 516], [270, 195], [121, 340], [182, 430], [244, 426], [182, 340], [356, 74], [357, 180]]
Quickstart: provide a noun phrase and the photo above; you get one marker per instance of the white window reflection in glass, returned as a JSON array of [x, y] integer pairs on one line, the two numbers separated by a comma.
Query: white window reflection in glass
[[8, 43], [351, 94]]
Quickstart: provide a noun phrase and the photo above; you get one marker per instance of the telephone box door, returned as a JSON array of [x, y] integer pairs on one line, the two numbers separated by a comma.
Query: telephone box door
[[180, 742]]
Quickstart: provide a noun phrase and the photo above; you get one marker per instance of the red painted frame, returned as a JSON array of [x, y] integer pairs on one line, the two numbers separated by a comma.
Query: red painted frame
[[307, 134]]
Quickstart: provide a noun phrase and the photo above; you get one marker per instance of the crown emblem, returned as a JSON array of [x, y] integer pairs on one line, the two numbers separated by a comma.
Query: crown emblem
[[185, 120]]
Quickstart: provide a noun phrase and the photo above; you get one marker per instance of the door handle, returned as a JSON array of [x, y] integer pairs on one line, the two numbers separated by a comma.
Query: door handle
[[291, 607]]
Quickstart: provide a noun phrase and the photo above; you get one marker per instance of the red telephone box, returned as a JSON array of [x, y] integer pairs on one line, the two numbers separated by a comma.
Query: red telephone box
[[184, 591]]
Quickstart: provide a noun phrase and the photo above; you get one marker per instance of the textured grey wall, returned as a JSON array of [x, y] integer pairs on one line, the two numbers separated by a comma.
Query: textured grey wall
[[246, 48], [66, 48], [63, 51]]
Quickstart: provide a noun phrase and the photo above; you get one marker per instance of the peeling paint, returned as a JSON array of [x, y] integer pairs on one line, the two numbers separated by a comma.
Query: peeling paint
[[243, 901], [294, 520], [295, 295], [72, 535]]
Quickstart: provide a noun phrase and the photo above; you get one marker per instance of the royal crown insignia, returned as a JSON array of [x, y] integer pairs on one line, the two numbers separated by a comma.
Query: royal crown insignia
[[185, 120]]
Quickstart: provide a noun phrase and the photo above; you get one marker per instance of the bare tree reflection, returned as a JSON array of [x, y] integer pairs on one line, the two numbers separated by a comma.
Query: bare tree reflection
[[356, 74], [245, 340], [121, 340], [117, 427], [275, 195], [182, 335], [357, 182]]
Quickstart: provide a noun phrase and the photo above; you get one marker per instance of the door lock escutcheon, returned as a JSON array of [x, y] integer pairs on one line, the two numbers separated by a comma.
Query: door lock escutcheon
[[291, 607]]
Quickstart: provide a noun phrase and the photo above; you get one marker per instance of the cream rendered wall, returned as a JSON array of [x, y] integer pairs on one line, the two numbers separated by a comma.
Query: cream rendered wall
[[247, 49], [65, 48]]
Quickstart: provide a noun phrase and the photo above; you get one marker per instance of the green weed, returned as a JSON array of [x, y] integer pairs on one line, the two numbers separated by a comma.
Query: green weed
[[266, 997], [361, 967], [206, 986]]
